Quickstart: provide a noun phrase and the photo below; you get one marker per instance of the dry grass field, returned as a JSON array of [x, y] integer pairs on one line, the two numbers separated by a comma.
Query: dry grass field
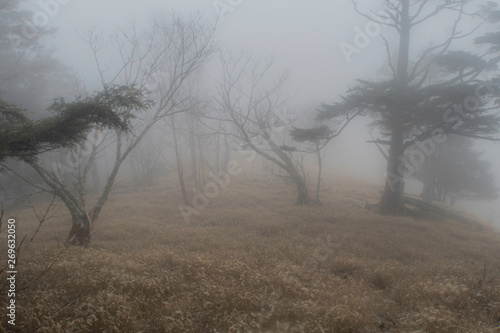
[[252, 261]]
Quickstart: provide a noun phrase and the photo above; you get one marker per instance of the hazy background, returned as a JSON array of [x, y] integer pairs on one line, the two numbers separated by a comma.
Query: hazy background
[[303, 37]]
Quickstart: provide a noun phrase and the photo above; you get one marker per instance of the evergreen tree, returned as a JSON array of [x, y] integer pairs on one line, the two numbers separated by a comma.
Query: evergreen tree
[[411, 109], [24, 138]]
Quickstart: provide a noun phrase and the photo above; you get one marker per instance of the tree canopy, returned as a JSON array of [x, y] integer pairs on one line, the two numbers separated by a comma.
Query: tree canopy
[[22, 137]]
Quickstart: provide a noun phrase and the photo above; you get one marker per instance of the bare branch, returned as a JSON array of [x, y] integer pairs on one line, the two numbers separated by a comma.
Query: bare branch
[[438, 9], [389, 56], [372, 19]]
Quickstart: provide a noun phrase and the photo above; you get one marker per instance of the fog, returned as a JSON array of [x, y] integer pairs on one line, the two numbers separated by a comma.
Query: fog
[[250, 166], [303, 38]]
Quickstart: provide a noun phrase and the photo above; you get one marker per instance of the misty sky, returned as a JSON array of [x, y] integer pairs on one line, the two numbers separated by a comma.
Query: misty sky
[[304, 37]]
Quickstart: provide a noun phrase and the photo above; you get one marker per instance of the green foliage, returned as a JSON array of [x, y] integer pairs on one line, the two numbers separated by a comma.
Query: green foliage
[[492, 39], [15, 130], [420, 110], [337, 110], [458, 61], [490, 12], [310, 134], [11, 114], [113, 107], [288, 148]]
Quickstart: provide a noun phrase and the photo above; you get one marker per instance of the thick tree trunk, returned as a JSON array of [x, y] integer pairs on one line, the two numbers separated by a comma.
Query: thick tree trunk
[[80, 233], [292, 170], [302, 192], [392, 197], [81, 223]]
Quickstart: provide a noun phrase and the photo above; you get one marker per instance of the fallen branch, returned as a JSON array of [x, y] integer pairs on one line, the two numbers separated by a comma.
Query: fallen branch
[[441, 211]]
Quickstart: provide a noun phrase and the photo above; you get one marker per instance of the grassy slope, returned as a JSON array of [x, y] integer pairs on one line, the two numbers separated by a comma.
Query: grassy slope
[[254, 262]]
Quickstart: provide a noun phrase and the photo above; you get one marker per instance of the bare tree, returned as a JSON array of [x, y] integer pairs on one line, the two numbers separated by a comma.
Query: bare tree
[[158, 59], [145, 158], [317, 135], [125, 101], [252, 104], [316, 138]]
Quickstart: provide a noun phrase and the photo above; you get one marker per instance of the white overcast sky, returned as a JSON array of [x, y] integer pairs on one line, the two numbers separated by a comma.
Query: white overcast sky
[[303, 37]]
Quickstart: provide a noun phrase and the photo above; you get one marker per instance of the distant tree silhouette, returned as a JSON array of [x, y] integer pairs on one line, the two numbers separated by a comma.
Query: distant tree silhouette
[[320, 135], [250, 112], [457, 172]]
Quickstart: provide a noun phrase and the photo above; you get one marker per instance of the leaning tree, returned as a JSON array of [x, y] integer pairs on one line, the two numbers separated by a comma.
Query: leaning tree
[[250, 104], [124, 102], [24, 138], [155, 62], [319, 135]]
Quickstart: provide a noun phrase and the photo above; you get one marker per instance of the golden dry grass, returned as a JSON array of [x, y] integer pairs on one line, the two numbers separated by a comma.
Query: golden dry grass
[[254, 262]]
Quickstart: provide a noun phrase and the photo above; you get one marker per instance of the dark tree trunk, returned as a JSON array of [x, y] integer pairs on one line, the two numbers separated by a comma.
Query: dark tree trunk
[[392, 198], [319, 173], [292, 170], [81, 223], [302, 192], [80, 233], [429, 192]]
